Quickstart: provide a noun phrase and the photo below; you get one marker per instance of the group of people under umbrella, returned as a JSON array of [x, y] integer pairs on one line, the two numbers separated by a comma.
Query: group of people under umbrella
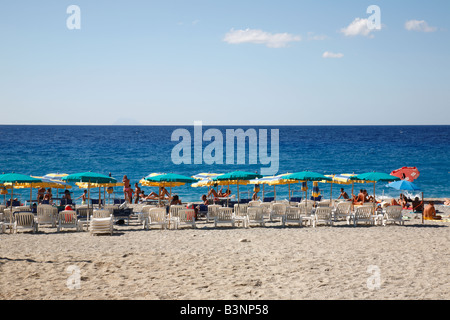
[[90, 180]]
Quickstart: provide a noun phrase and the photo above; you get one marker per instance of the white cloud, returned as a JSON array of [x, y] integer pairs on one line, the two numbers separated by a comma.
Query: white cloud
[[328, 54], [419, 25], [271, 40], [359, 27], [316, 37]]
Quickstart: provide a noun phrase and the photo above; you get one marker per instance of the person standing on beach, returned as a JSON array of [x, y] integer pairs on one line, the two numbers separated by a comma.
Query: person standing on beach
[[137, 193], [83, 197], [127, 191]]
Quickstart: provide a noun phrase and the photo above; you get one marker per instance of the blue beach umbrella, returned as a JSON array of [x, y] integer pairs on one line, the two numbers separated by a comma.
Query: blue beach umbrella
[[403, 185]]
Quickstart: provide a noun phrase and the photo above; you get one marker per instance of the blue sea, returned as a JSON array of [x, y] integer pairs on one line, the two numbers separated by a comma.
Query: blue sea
[[137, 151]]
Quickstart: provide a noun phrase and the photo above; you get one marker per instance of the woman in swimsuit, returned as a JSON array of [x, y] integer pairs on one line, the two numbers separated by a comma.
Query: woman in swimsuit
[[137, 193], [40, 195], [127, 191]]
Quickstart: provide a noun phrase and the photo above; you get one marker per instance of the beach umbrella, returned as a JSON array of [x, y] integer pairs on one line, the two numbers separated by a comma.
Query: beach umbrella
[[237, 177], [170, 180], [55, 176], [44, 183], [15, 178], [307, 176], [205, 180], [405, 185], [406, 173], [89, 177], [167, 180], [4, 191], [273, 181], [342, 178], [375, 177]]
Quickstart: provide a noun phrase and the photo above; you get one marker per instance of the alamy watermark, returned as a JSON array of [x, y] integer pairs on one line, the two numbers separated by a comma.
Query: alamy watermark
[[374, 281], [74, 279], [74, 20], [374, 21], [213, 153]]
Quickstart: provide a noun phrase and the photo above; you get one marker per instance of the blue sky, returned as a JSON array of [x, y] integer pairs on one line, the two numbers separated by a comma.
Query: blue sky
[[225, 62]]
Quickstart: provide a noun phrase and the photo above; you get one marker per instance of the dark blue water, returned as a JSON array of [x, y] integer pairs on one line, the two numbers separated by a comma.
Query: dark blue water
[[139, 150]]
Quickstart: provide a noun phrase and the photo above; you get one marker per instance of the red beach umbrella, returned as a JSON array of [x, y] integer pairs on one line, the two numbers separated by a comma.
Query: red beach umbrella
[[406, 173]]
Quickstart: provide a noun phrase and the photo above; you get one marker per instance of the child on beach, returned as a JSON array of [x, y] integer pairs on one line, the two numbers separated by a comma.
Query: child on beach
[[83, 197]]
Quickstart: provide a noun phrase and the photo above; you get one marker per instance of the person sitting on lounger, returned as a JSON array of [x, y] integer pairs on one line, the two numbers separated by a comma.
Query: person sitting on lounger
[[214, 193], [175, 200], [417, 205], [163, 192], [40, 195], [359, 199], [367, 198], [48, 196], [343, 194], [429, 213]]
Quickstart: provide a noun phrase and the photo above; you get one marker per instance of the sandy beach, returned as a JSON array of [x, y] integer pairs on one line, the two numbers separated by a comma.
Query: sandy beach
[[207, 263]]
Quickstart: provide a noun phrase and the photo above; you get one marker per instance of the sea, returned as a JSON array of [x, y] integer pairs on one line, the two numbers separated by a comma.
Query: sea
[[137, 151]]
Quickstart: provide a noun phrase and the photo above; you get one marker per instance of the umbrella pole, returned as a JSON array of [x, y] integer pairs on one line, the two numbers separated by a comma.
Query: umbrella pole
[[331, 194], [306, 194], [89, 199], [274, 194], [31, 193], [159, 198], [239, 196], [289, 188], [353, 206], [374, 198], [423, 205], [228, 196], [263, 193], [12, 191]]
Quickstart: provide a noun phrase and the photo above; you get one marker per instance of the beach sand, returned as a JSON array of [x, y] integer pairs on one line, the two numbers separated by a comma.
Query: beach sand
[[339, 262]]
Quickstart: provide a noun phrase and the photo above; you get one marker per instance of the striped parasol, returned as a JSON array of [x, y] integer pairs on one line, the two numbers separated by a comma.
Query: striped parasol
[[273, 181], [55, 176]]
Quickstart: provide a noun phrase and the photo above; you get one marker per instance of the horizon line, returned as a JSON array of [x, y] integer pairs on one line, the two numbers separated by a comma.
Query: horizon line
[[224, 125]]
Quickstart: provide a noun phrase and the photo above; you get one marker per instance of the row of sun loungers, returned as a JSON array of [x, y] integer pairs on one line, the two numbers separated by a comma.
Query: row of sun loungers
[[101, 221]]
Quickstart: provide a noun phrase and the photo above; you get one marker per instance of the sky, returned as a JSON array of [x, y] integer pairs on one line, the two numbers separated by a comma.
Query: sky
[[287, 62]]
